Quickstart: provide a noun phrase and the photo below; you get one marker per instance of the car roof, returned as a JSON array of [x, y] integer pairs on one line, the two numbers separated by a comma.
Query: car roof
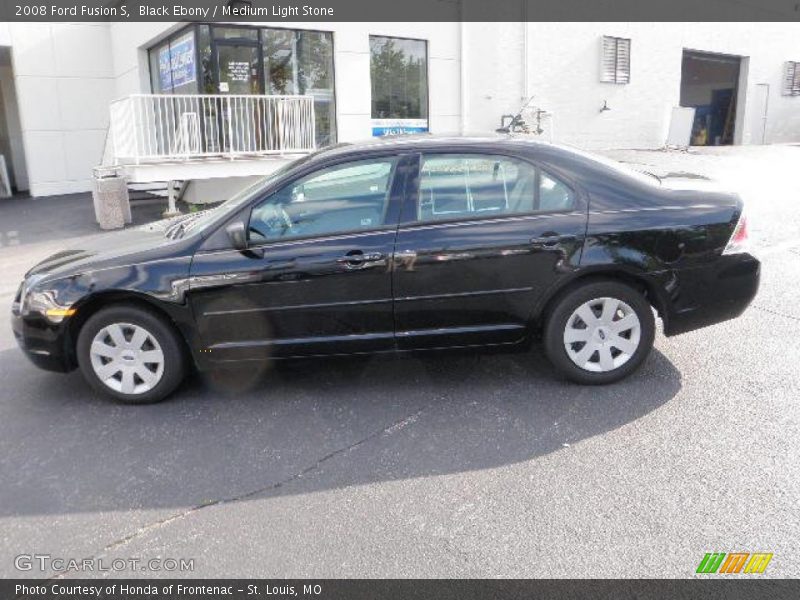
[[424, 142], [517, 145], [578, 159]]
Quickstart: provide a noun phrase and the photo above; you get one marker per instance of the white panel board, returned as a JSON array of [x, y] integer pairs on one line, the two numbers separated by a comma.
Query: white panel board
[[680, 126]]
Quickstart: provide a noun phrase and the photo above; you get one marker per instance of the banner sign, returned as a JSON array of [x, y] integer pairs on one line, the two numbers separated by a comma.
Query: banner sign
[[381, 127], [176, 64], [164, 70], [182, 63]]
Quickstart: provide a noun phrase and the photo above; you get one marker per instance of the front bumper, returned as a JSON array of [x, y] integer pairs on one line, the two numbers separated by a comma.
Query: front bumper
[[44, 343], [702, 296]]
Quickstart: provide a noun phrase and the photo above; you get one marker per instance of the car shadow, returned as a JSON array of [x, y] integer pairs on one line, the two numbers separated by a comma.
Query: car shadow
[[300, 427]]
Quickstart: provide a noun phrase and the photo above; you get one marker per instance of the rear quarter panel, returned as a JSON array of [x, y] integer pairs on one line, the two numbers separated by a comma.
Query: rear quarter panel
[[670, 239]]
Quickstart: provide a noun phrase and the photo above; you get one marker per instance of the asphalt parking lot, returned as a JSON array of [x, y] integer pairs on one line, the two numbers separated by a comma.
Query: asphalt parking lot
[[450, 465]]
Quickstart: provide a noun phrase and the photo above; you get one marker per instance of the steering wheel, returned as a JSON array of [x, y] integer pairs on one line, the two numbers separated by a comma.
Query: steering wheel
[[275, 220], [287, 220]]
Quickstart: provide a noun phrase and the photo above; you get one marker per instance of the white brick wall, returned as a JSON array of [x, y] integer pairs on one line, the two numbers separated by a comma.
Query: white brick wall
[[563, 75], [63, 75]]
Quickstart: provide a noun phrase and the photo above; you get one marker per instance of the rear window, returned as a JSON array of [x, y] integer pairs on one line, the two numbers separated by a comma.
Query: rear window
[[619, 167]]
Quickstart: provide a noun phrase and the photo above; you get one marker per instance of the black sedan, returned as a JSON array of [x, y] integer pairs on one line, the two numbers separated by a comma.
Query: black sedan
[[401, 245]]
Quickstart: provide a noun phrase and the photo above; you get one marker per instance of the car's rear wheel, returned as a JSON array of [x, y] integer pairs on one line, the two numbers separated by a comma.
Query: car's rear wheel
[[599, 332], [131, 354]]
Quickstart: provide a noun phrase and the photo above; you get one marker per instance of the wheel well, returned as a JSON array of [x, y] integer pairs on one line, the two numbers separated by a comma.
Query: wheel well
[[105, 299], [647, 290]]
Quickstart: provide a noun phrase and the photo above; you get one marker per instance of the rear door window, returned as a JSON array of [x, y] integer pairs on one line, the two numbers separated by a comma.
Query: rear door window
[[468, 186]]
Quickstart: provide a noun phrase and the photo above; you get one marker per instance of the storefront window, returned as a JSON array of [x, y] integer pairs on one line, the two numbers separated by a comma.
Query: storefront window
[[207, 85], [301, 62], [182, 65], [173, 67], [315, 73], [246, 60], [158, 56], [280, 61], [399, 72]]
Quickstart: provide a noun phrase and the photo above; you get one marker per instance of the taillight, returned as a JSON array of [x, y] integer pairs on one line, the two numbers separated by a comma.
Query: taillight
[[738, 242]]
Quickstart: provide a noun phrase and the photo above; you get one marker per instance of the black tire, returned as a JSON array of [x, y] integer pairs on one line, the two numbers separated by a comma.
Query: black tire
[[174, 363], [563, 309]]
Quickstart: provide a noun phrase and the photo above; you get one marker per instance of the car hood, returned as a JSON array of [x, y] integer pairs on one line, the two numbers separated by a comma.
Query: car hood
[[119, 248]]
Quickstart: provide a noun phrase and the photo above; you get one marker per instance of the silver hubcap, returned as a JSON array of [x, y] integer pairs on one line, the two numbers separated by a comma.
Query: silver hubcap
[[602, 334], [127, 358]]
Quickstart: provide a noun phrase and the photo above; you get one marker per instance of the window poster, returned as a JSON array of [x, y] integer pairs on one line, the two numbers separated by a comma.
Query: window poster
[[164, 70], [182, 63]]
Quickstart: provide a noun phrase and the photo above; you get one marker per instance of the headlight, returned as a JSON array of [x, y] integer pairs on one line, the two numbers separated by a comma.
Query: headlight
[[44, 302]]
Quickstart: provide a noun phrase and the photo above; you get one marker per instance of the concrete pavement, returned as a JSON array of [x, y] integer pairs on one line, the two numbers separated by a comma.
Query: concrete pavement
[[451, 465]]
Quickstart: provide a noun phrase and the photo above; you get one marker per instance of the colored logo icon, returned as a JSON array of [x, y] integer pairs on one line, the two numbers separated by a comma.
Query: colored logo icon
[[734, 562]]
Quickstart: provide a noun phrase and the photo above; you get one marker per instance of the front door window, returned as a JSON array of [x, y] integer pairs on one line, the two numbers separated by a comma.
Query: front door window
[[340, 199]]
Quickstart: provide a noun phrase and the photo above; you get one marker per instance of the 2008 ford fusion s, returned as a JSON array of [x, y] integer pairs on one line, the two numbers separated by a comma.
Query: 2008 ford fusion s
[[397, 246]]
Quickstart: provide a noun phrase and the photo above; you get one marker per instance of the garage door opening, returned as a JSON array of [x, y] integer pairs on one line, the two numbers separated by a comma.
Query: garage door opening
[[710, 84]]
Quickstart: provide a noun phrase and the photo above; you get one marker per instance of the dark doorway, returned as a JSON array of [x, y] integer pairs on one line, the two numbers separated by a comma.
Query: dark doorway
[[710, 84]]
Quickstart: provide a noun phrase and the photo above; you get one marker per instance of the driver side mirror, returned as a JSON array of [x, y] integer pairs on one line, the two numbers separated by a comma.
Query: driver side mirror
[[237, 233]]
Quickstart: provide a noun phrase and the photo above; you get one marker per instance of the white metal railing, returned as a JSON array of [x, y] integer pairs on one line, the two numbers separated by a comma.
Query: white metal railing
[[163, 127]]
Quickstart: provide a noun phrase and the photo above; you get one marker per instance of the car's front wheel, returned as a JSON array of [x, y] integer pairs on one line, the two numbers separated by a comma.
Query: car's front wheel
[[131, 354], [599, 332]]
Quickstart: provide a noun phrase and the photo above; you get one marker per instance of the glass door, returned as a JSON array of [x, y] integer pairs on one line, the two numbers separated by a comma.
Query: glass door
[[237, 68], [240, 117]]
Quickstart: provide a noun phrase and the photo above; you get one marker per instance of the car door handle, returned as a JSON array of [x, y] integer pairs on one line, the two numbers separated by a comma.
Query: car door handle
[[552, 240], [357, 259]]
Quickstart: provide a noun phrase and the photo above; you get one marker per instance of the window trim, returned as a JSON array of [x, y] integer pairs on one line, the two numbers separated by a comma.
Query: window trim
[[427, 72], [616, 77], [395, 196], [409, 219]]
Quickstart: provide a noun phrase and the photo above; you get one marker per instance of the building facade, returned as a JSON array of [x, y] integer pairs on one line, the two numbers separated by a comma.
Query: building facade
[[594, 85]]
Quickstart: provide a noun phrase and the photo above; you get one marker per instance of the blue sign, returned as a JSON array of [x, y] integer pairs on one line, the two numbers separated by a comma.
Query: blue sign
[[381, 127], [164, 70], [181, 57], [176, 63], [381, 131]]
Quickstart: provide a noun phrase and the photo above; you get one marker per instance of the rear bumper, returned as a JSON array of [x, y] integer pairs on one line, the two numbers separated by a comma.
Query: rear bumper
[[702, 296], [42, 342]]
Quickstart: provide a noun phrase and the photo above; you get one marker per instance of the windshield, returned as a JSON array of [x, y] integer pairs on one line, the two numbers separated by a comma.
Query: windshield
[[198, 221]]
